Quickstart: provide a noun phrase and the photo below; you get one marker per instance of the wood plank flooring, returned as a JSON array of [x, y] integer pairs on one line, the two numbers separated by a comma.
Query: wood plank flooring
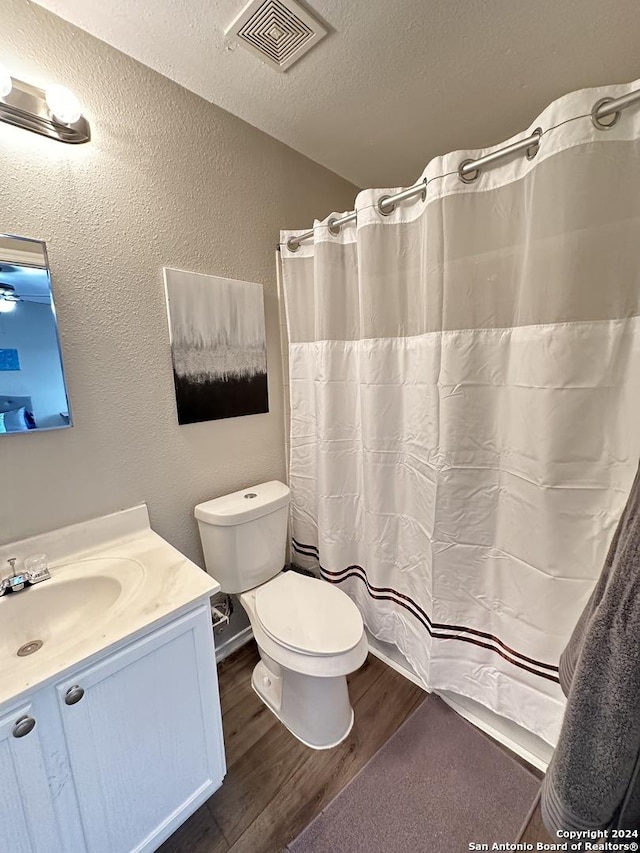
[[274, 785], [535, 830]]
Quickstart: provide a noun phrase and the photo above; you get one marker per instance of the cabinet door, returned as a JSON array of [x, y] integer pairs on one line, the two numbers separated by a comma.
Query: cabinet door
[[27, 819], [145, 738]]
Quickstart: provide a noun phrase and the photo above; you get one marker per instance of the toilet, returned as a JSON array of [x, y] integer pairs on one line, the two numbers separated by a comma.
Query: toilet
[[309, 633]]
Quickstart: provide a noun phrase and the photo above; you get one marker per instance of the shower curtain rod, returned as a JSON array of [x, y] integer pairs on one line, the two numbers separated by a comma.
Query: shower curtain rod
[[469, 170]]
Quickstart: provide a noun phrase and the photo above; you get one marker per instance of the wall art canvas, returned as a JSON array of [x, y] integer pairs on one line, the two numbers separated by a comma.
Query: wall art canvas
[[217, 332]]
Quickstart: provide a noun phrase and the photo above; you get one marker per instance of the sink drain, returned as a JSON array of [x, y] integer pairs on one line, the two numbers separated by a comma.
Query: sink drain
[[29, 648]]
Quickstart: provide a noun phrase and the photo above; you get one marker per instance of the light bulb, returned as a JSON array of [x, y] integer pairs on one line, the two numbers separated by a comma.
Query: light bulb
[[6, 83], [6, 306], [63, 104]]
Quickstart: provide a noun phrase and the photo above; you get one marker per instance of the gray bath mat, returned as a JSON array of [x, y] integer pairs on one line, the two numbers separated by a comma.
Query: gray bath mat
[[437, 785]]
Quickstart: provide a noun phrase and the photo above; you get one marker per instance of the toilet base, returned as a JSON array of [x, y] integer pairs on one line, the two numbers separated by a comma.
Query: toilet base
[[316, 710]]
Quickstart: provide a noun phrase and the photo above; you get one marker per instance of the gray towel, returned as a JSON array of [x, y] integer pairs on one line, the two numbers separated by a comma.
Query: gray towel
[[593, 781]]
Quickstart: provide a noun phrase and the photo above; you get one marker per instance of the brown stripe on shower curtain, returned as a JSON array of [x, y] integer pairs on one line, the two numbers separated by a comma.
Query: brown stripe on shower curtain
[[434, 629]]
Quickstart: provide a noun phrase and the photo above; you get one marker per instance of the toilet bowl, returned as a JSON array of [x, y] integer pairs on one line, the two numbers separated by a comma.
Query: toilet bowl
[[310, 637], [309, 633]]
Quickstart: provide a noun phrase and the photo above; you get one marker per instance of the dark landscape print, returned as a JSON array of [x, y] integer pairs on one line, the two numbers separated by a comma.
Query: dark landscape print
[[217, 345]]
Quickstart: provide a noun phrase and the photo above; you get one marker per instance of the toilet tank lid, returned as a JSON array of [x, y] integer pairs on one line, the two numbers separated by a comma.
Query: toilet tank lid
[[244, 505]]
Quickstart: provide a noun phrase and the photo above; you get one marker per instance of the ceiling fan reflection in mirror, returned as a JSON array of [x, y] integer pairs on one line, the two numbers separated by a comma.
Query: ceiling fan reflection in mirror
[[8, 298]]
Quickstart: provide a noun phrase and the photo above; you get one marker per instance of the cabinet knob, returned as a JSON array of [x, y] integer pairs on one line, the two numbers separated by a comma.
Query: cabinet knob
[[74, 694], [23, 726]]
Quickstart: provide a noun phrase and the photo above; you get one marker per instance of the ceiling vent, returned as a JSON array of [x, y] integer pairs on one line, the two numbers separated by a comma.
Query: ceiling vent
[[280, 32]]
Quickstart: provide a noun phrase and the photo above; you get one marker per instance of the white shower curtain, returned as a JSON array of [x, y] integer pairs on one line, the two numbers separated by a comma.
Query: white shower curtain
[[465, 404]]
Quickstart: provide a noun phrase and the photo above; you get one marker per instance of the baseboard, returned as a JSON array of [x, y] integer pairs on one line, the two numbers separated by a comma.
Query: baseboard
[[233, 643], [525, 744]]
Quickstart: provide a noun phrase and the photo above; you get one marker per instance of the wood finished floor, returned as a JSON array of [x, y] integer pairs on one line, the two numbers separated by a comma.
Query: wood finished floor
[[535, 830], [274, 785]]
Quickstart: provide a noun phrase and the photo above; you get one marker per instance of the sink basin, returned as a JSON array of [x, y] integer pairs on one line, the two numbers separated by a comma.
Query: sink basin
[[112, 579], [79, 598]]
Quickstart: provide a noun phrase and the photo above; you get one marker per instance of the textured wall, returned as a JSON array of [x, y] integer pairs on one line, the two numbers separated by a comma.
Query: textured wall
[[168, 180]]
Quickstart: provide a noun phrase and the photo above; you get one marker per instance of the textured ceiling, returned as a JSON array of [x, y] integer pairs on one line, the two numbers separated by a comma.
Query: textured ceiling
[[396, 82]]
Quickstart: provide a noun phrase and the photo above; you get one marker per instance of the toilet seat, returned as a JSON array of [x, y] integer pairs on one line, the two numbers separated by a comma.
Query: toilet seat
[[308, 615]]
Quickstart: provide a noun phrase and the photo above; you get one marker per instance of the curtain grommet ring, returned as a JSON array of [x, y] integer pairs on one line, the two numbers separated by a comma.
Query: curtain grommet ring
[[532, 150], [468, 177], [598, 122], [333, 228], [381, 206], [292, 245]]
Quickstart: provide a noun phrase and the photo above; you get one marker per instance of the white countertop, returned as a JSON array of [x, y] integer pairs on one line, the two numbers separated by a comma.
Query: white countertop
[[111, 579]]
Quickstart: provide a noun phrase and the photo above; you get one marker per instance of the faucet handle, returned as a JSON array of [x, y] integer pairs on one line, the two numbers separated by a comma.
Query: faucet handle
[[12, 562], [36, 568]]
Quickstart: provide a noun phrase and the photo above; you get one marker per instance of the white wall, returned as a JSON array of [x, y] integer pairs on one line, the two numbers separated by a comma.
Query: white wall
[[167, 180]]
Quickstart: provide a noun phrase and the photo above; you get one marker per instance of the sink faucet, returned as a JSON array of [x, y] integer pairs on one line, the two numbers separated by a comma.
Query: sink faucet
[[16, 582]]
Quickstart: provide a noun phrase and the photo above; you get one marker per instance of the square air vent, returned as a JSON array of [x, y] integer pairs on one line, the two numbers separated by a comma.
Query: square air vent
[[280, 32]]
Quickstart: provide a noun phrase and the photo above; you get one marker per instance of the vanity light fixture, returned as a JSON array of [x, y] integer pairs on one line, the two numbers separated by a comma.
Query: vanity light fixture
[[55, 113]]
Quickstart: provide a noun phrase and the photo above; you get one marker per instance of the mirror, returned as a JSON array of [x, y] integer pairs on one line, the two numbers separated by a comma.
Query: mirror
[[33, 393]]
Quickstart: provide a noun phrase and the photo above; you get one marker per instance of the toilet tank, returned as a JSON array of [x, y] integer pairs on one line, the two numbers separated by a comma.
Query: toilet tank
[[244, 535]]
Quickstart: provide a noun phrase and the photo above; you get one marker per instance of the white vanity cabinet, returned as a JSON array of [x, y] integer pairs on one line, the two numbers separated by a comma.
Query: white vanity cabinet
[[144, 736], [27, 818], [136, 735]]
